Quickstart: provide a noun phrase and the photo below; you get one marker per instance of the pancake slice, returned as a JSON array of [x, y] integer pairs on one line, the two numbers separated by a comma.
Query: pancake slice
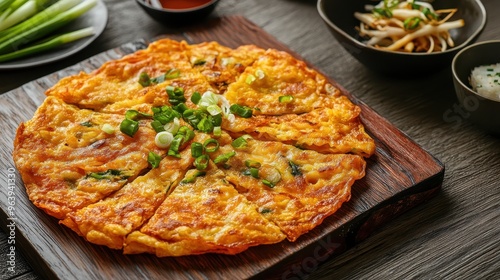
[[327, 130], [296, 189], [205, 216], [67, 161], [278, 84], [110, 220], [115, 86]]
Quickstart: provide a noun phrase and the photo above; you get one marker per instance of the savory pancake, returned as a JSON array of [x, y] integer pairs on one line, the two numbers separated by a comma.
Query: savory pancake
[[183, 149]]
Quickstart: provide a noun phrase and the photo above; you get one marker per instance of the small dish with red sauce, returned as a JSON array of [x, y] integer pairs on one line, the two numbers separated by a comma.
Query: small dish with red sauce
[[178, 12]]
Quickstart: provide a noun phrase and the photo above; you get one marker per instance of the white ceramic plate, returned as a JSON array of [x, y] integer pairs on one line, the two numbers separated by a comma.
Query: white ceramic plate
[[97, 17]]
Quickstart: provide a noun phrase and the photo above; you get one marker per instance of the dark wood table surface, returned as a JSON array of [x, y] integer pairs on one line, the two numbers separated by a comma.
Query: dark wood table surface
[[456, 235]]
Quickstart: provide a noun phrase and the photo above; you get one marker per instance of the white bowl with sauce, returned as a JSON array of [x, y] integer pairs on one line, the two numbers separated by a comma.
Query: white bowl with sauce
[[178, 12]]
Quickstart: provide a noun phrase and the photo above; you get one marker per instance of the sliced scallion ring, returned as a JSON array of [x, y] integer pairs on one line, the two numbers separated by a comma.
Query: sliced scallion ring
[[173, 126], [201, 162], [164, 139], [172, 74], [211, 145]]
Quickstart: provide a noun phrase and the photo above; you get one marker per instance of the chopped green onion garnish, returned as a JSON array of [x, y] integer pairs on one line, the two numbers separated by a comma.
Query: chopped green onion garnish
[[192, 116], [239, 142], [109, 129], [254, 172], [172, 74], [211, 145], [285, 99], [271, 175], [205, 125], [383, 12], [214, 110], [199, 61], [216, 120], [196, 149], [252, 163], [175, 145], [411, 23], [208, 98], [172, 126], [108, 174], [164, 139], [192, 175], [175, 95], [87, 124], [242, 111], [165, 114], [154, 159], [136, 115], [267, 183], [180, 108], [129, 127], [144, 79], [217, 131], [201, 162], [295, 168], [196, 97], [260, 74], [265, 211], [157, 126], [186, 134], [223, 158], [250, 79]]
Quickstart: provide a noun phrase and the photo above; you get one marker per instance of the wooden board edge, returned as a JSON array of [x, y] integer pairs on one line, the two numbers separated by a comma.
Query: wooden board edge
[[307, 260]]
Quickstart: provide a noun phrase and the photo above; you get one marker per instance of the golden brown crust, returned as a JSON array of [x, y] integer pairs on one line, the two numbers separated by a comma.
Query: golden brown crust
[[101, 185]]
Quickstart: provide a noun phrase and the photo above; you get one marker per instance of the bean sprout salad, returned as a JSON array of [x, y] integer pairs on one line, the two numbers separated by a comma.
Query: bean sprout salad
[[407, 26]]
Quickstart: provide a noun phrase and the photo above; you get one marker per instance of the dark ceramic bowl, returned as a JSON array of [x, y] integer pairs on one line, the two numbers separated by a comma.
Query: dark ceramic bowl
[[482, 111], [178, 16], [339, 17]]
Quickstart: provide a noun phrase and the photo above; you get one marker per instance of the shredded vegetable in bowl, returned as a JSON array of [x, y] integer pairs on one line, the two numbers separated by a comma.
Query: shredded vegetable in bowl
[[407, 26]]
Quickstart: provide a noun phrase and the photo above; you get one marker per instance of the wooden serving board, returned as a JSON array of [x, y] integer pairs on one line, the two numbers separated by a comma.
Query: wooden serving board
[[399, 176]]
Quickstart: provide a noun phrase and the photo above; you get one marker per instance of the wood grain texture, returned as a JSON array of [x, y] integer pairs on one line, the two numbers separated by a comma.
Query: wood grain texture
[[392, 176], [453, 236]]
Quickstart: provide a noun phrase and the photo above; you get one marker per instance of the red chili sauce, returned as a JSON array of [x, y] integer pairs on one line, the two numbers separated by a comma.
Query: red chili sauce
[[182, 4]]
